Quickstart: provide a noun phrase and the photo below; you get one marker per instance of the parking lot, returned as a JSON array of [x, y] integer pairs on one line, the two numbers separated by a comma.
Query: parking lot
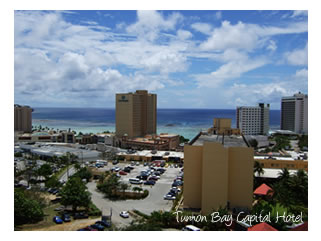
[[154, 202]]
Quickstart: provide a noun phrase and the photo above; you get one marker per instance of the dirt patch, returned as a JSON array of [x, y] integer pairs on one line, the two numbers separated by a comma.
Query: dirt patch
[[71, 226]]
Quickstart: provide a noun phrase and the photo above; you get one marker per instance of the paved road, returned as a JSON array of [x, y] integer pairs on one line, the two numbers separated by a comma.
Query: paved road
[[153, 202], [71, 171]]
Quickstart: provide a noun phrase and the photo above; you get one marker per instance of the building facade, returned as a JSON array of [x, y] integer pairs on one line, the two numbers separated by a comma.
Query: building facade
[[164, 141], [22, 118], [217, 176], [253, 120], [222, 126], [136, 114], [294, 113]]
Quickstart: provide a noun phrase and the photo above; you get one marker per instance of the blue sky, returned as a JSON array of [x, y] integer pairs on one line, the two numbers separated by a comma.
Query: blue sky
[[190, 59]]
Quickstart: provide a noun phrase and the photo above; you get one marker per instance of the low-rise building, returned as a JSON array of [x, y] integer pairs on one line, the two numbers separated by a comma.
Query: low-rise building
[[42, 136], [163, 141]]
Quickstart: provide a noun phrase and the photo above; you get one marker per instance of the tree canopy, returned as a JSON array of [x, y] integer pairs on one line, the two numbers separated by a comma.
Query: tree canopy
[[75, 193], [26, 210]]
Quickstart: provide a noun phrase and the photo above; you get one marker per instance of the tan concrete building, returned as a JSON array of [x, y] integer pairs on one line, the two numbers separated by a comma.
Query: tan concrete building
[[224, 126], [218, 172], [22, 118], [136, 114]]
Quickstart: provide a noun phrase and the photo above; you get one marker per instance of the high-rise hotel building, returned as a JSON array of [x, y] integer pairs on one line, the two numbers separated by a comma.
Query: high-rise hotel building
[[22, 118], [253, 120], [136, 114], [218, 172], [294, 113]]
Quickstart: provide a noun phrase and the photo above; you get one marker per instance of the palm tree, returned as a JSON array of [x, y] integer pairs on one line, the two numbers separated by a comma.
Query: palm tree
[[284, 174], [258, 168]]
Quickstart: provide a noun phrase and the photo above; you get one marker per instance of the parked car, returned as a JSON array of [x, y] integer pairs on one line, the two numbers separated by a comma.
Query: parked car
[[149, 182], [89, 228], [176, 188], [132, 163], [80, 215], [127, 169], [130, 167], [177, 183], [176, 166], [145, 164], [190, 228], [124, 214], [157, 173], [153, 178], [161, 170], [60, 208], [98, 227], [172, 192], [122, 173], [103, 223], [66, 217], [115, 162], [137, 163], [135, 181], [169, 197], [57, 220]]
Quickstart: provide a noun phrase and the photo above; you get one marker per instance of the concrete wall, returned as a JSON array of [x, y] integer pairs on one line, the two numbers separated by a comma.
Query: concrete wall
[[240, 176], [214, 177], [193, 176]]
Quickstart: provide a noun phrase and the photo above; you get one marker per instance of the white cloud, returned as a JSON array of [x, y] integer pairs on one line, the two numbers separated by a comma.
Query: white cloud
[[246, 36], [230, 70], [183, 34], [272, 46], [204, 28], [302, 75], [150, 23], [218, 15], [299, 13], [60, 62], [298, 56]]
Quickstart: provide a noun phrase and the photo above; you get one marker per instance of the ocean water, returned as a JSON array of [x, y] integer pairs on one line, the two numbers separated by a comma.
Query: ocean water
[[185, 122]]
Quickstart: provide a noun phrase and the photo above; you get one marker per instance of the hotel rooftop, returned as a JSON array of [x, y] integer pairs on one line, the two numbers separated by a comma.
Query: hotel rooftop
[[227, 141]]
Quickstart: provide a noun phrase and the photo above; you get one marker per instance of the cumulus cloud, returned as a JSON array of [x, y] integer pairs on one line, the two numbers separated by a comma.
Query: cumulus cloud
[[183, 34], [297, 56], [57, 61], [204, 28], [246, 36], [150, 23]]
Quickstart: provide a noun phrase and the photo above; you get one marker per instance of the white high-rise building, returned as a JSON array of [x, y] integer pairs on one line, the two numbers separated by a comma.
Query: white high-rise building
[[253, 120], [294, 113]]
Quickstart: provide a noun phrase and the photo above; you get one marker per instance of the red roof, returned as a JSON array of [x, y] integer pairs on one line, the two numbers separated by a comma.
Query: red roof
[[262, 227], [301, 227], [263, 190]]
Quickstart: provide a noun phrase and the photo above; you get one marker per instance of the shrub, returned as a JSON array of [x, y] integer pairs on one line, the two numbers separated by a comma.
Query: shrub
[[93, 210]]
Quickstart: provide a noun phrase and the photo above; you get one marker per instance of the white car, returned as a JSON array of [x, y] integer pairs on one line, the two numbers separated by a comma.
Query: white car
[[124, 214], [169, 197]]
